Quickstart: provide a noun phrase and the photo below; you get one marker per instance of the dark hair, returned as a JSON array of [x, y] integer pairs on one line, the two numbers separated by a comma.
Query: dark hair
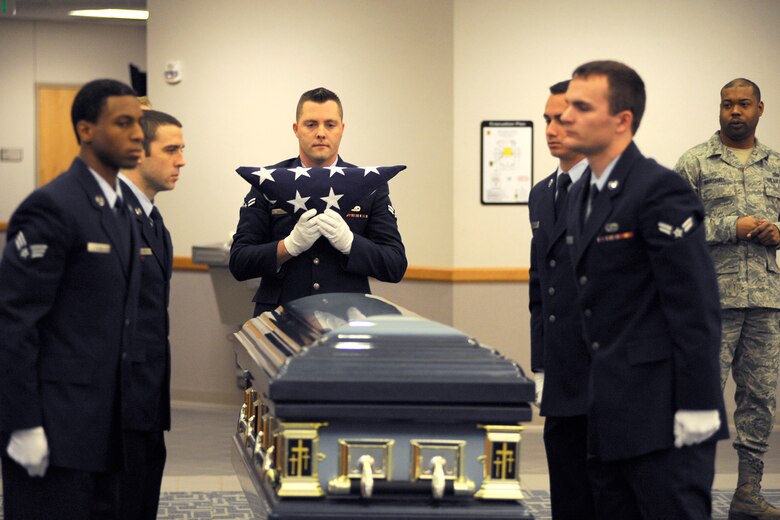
[[90, 100], [626, 88], [561, 87], [151, 121], [318, 95], [743, 82]]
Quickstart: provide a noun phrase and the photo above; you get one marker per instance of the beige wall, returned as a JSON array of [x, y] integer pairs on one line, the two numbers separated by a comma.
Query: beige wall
[[244, 69], [508, 52], [51, 53]]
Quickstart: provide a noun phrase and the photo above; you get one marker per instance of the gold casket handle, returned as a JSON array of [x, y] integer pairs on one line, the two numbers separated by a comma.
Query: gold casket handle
[[438, 480], [366, 465]]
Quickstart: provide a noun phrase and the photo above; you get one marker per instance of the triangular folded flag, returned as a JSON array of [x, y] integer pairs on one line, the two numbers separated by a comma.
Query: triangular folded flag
[[296, 190]]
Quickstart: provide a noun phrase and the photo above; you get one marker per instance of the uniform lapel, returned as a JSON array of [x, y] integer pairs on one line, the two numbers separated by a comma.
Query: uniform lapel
[[553, 228], [107, 219], [602, 207]]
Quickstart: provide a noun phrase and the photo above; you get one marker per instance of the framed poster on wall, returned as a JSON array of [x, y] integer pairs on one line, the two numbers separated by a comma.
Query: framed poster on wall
[[507, 161]]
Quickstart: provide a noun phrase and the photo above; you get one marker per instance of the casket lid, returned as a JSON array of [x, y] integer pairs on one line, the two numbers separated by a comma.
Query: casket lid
[[360, 349]]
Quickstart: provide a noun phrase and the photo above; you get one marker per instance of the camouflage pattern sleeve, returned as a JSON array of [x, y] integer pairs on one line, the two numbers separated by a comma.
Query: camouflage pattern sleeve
[[716, 192]]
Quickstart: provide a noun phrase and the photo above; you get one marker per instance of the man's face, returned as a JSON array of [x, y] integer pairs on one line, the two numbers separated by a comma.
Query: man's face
[[160, 169], [319, 129], [590, 128], [739, 113], [116, 137], [555, 131]]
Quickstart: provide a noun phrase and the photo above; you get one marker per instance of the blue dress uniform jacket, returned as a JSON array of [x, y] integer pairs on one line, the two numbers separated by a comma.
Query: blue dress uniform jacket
[[150, 374], [377, 250], [649, 300], [67, 317], [557, 346]]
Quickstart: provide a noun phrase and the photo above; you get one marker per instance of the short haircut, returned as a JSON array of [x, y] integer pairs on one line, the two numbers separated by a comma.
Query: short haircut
[[145, 102], [743, 82], [318, 95], [90, 100], [626, 88], [561, 87], [151, 121]]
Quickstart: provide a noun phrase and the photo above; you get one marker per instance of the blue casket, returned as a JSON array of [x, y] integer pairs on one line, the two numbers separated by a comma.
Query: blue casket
[[359, 409]]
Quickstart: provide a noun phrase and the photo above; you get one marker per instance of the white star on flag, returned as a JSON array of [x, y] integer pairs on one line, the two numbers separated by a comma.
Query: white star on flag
[[332, 200], [371, 169], [298, 202], [335, 169], [264, 174], [300, 171]]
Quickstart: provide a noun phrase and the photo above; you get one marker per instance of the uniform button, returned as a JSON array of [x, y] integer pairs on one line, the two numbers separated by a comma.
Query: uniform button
[[127, 321], [588, 313], [316, 261], [595, 345], [551, 291], [583, 280], [316, 286], [553, 263], [552, 318], [124, 355]]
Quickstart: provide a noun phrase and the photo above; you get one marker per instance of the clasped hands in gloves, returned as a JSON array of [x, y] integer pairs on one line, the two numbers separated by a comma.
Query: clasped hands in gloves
[[311, 226], [30, 449]]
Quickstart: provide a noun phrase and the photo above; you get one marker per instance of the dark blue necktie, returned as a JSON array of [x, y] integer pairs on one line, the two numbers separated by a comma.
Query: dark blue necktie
[[562, 191], [125, 234]]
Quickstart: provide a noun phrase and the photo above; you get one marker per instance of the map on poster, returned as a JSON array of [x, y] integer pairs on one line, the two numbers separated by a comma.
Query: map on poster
[[507, 161]]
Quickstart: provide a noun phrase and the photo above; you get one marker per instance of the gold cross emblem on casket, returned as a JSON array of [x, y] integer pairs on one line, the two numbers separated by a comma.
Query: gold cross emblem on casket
[[504, 462], [299, 462]]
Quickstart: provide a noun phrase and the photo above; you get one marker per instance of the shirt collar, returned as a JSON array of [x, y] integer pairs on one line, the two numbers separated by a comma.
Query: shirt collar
[[146, 204], [111, 193], [576, 171], [600, 182], [334, 163]]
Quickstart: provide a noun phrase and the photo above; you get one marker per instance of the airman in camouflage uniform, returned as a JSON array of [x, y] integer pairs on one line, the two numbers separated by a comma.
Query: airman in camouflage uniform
[[738, 180]]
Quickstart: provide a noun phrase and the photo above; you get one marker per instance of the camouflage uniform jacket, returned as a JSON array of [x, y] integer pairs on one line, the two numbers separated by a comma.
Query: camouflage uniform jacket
[[748, 274]]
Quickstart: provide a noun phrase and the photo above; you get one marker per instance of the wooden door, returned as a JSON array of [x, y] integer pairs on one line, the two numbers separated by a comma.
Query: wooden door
[[57, 144]]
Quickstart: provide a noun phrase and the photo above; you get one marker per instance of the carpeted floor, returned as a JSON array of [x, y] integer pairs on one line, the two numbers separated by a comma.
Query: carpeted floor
[[231, 505]]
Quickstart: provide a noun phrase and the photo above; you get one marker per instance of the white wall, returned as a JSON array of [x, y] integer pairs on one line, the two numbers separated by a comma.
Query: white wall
[[508, 52], [51, 53], [245, 65]]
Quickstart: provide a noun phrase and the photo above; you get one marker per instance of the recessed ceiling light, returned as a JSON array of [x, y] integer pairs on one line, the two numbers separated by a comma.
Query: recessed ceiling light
[[124, 14]]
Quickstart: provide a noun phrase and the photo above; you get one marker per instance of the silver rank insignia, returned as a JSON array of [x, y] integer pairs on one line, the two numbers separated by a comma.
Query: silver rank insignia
[[613, 184], [137, 212], [676, 232], [612, 227], [391, 209], [550, 183], [29, 250], [250, 202], [100, 200]]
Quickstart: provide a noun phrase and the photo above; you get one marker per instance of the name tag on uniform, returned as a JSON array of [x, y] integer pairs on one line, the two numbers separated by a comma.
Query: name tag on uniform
[[146, 251], [97, 247], [278, 211]]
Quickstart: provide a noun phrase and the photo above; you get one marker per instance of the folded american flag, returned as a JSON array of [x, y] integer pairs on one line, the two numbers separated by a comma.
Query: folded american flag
[[299, 189]]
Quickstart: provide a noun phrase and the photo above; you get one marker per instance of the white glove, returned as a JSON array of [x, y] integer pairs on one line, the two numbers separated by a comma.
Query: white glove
[[539, 380], [333, 227], [30, 449], [304, 234], [694, 426]]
